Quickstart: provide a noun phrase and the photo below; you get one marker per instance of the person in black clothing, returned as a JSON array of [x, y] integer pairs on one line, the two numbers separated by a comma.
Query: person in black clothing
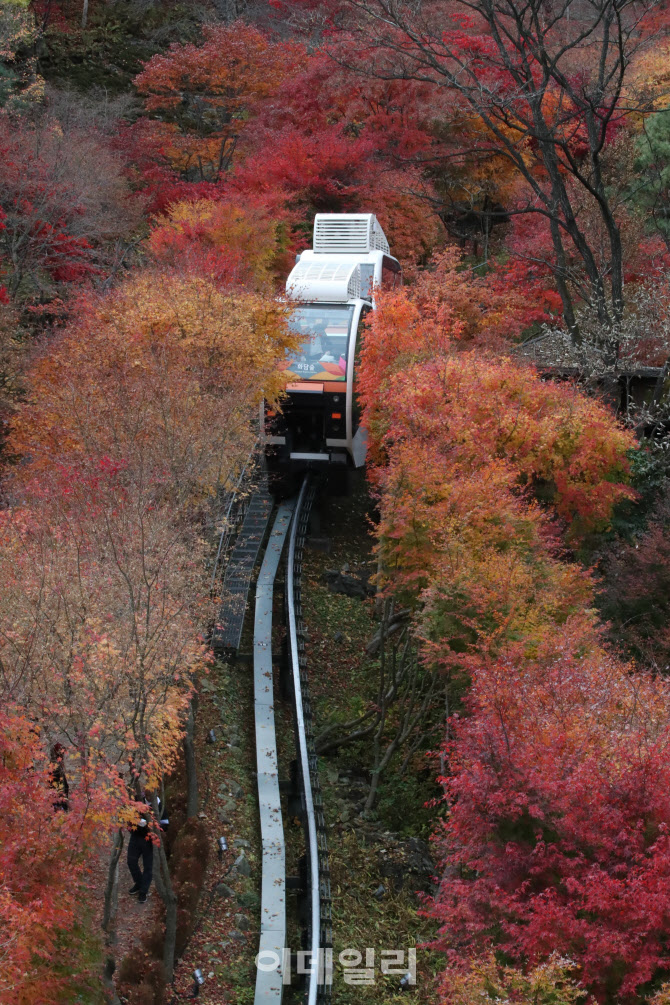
[[140, 846]]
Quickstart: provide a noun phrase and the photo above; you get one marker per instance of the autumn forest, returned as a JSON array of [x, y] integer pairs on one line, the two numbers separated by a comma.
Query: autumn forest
[[161, 165]]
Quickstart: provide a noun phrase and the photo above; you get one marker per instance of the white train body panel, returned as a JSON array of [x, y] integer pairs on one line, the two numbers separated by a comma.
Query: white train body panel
[[333, 286]]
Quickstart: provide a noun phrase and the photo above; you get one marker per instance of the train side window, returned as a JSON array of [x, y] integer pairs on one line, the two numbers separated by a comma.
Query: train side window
[[367, 278], [391, 275]]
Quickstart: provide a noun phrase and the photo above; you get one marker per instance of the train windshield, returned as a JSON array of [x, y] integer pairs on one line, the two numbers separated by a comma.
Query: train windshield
[[323, 353]]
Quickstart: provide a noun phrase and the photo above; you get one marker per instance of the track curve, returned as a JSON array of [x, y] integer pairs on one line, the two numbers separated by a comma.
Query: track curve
[[271, 980]]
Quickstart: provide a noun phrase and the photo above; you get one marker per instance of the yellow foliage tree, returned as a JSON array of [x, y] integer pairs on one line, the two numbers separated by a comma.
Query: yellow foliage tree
[[164, 377], [233, 242], [486, 982]]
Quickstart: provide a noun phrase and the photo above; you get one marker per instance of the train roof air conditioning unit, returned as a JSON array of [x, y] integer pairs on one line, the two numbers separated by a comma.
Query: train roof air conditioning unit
[[344, 233]]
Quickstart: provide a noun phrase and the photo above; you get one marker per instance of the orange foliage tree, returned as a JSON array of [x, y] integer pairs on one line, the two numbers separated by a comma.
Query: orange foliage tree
[[137, 413], [480, 465], [551, 983], [204, 94], [43, 857], [465, 446], [99, 624], [162, 377], [236, 242]]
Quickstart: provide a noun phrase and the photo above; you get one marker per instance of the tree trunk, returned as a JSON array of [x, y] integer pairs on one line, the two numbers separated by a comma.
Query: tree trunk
[[416, 697], [382, 706], [381, 764], [108, 980], [109, 915], [379, 597], [112, 889], [486, 229], [561, 282], [190, 761], [167, 894], [170, 901], [230, 10], [84, 14]]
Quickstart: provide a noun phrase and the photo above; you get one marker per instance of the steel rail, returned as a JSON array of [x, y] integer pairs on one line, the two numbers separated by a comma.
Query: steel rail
[[304, 760]]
